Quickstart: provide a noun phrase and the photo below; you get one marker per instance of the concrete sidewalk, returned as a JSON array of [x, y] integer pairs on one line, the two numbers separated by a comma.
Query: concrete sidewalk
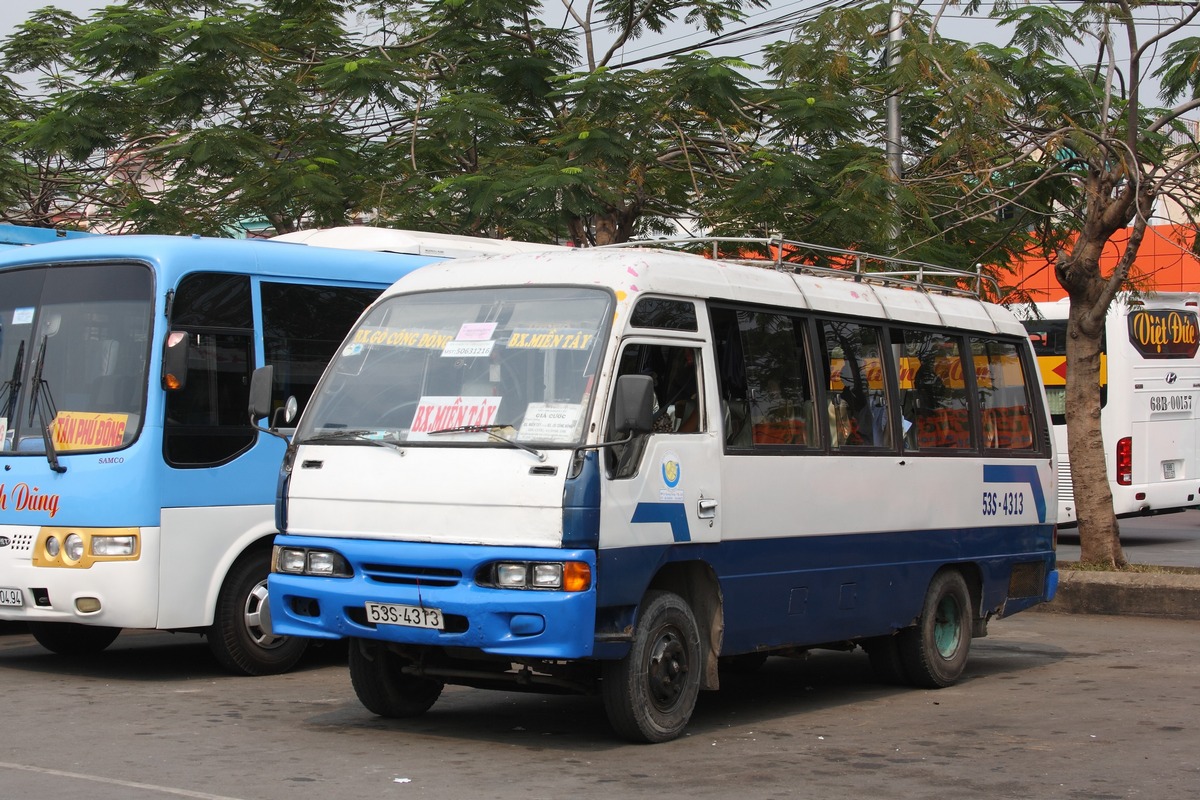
[[1146, 594], [1168, 541]]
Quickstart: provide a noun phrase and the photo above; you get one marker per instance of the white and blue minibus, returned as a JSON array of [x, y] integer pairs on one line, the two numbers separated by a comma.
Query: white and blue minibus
[[617, 471], [134, 492]]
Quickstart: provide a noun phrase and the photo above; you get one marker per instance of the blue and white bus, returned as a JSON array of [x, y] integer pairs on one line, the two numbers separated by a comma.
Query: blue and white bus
[[133, 491], [616, 471]]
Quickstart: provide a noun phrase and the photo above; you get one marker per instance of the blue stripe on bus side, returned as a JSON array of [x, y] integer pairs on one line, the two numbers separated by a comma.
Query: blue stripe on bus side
[[816, 589]]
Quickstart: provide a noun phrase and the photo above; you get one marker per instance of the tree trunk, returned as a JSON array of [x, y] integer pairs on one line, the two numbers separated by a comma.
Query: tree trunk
[[1099, 541]]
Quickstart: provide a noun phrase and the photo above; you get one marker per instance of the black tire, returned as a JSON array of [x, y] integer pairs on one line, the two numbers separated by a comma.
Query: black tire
[[71, 638], [935, 650], [886, 662], [650, 694], [240, 637], [382, 688]]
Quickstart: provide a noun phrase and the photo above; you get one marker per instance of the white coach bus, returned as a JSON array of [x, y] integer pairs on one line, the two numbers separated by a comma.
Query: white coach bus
[[1149, 385]]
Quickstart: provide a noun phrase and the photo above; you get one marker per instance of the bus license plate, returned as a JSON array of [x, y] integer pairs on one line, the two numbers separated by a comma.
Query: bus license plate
[[1169, 470], [409, 616], [11, 597]]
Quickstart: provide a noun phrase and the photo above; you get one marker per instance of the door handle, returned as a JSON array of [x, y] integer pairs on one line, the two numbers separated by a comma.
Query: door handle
[[706, 508]]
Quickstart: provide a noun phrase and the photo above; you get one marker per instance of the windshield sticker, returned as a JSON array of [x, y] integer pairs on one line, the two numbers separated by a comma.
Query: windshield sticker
[[400, 337], [3, 433], [476, 331], [549, 422], [79, 430], [442, 412], [551, 339], [22, 316], [467, 349]]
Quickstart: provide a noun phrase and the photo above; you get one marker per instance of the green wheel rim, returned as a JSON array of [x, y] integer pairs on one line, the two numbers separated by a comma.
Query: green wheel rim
[[947, 627]]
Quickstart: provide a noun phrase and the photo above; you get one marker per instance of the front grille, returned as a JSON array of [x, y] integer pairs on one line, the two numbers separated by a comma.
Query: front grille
[[411, 575], [21, 542], [1027, 580]]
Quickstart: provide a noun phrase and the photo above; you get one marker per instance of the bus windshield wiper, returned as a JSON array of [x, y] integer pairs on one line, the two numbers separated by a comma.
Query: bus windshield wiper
[[41, 401], [9, 408], [490, 430], [359, 435]]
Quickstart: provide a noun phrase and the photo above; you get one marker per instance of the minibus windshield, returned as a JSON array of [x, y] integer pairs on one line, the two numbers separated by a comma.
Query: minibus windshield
[[74, 344], [485, 366]]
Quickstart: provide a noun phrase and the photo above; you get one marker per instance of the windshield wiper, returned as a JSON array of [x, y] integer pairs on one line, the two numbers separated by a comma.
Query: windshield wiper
[[14, 386], [361, 435], [490, 430], [41, 391]]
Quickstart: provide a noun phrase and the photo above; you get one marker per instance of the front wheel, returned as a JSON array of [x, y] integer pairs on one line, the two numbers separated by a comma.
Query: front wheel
[[650, 694], [934, 652], [71, 638], [241, 638], [382, 688]]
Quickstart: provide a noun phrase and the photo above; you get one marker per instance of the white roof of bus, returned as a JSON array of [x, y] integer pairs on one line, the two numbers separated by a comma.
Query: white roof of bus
[[391, 240], [632, 272]]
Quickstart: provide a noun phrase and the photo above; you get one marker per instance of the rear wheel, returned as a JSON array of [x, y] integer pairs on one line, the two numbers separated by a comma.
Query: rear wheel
[[935, 650], [382, 688], [650, 693], [71, 638], [241, 638]]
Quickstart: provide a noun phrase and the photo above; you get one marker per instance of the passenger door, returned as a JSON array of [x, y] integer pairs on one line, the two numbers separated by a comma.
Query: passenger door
[[664, 487]]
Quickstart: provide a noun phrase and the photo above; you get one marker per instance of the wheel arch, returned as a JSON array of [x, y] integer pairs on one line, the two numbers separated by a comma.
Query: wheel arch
[[696, 582]]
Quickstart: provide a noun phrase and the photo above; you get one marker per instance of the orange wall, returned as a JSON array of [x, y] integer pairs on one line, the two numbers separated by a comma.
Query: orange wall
[[1164, 264]]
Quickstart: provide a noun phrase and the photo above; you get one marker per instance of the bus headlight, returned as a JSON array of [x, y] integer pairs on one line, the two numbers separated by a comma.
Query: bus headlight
[[303, 561], [73, 547], [108, 546], [81, 548], [563, 576]]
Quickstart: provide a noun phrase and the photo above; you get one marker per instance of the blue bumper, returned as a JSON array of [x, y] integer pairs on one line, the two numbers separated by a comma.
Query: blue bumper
[[509, 622]]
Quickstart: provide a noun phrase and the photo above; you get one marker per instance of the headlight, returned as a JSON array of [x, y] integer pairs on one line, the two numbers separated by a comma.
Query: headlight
[[289, 560], [567, 576], [320, 563], [53, 548], [114, 545], [74, 547]]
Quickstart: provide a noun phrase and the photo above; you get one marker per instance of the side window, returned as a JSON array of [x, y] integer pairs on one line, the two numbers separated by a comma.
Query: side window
[[766, 389], [857, 407], [1003, 387], [302, 328], [206, 421], [933, 391], [678, 398]]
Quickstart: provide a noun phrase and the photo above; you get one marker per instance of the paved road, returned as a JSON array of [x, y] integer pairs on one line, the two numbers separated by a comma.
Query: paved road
[[1168, 540], [1051, 706]]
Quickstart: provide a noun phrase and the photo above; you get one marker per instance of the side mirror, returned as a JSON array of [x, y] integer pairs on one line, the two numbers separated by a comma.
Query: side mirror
[[633, 405], [260, 393], [285, 414], [175, 361]]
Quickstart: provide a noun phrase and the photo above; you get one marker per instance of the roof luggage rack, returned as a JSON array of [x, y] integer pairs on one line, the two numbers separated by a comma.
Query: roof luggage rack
[[790, 255]]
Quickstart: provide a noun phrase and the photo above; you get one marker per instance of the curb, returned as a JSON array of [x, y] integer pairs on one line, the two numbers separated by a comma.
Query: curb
[[1143, 594]]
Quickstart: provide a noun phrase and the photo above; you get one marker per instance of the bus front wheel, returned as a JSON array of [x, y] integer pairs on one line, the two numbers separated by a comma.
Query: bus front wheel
[[241, 638], [71, 638], [935, 650], [649, 695], [382, 688]]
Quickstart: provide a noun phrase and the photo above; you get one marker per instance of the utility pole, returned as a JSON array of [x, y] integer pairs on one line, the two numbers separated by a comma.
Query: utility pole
[[894, 162]]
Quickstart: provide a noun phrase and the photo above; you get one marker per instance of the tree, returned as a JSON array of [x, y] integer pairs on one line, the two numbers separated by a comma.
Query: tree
[[531, 130], [1020, 137]]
